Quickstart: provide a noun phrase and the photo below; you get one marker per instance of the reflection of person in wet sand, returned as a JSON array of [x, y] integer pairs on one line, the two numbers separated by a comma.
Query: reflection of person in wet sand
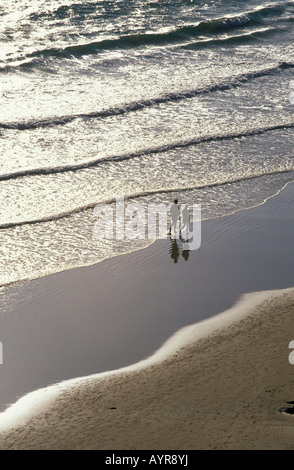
[[174, 213], [174, 250], [185, 251]]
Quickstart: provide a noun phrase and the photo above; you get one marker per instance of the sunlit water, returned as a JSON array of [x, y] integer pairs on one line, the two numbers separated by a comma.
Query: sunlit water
[[164, 99]]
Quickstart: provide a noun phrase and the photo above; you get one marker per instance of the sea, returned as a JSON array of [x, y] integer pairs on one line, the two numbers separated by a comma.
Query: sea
[[146, 100]]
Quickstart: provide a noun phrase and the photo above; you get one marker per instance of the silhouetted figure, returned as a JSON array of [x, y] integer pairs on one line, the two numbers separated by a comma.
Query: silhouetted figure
[[174, 213], [174, 250], [185, 220]]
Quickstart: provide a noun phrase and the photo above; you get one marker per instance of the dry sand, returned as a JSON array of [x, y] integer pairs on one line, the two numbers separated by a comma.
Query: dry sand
[[219, 384]]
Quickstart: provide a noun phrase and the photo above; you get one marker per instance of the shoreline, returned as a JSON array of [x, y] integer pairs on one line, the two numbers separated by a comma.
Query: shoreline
[[183, 396], [82, 402], [15, 283]]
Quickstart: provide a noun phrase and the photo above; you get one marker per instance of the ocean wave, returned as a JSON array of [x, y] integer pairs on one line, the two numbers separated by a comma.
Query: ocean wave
[[234, 82], [231, 40], [173, 36], [65, 11], [143, 152], [90, 8], [11, 225], [37, 61]]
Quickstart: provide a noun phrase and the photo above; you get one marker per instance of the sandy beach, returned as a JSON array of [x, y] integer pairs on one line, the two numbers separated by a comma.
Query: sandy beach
[[223, 390], [224, 382]]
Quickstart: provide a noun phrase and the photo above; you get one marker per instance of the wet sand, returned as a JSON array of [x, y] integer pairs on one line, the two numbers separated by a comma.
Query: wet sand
[[218, 384], [222, 390]]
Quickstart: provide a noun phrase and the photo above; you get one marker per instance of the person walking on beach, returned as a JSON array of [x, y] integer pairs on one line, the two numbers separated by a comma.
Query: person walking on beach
[[174, 212], [185, 221]]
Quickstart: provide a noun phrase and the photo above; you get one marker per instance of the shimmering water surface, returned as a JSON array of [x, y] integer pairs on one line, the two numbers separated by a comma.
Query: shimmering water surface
[[162, 98]]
